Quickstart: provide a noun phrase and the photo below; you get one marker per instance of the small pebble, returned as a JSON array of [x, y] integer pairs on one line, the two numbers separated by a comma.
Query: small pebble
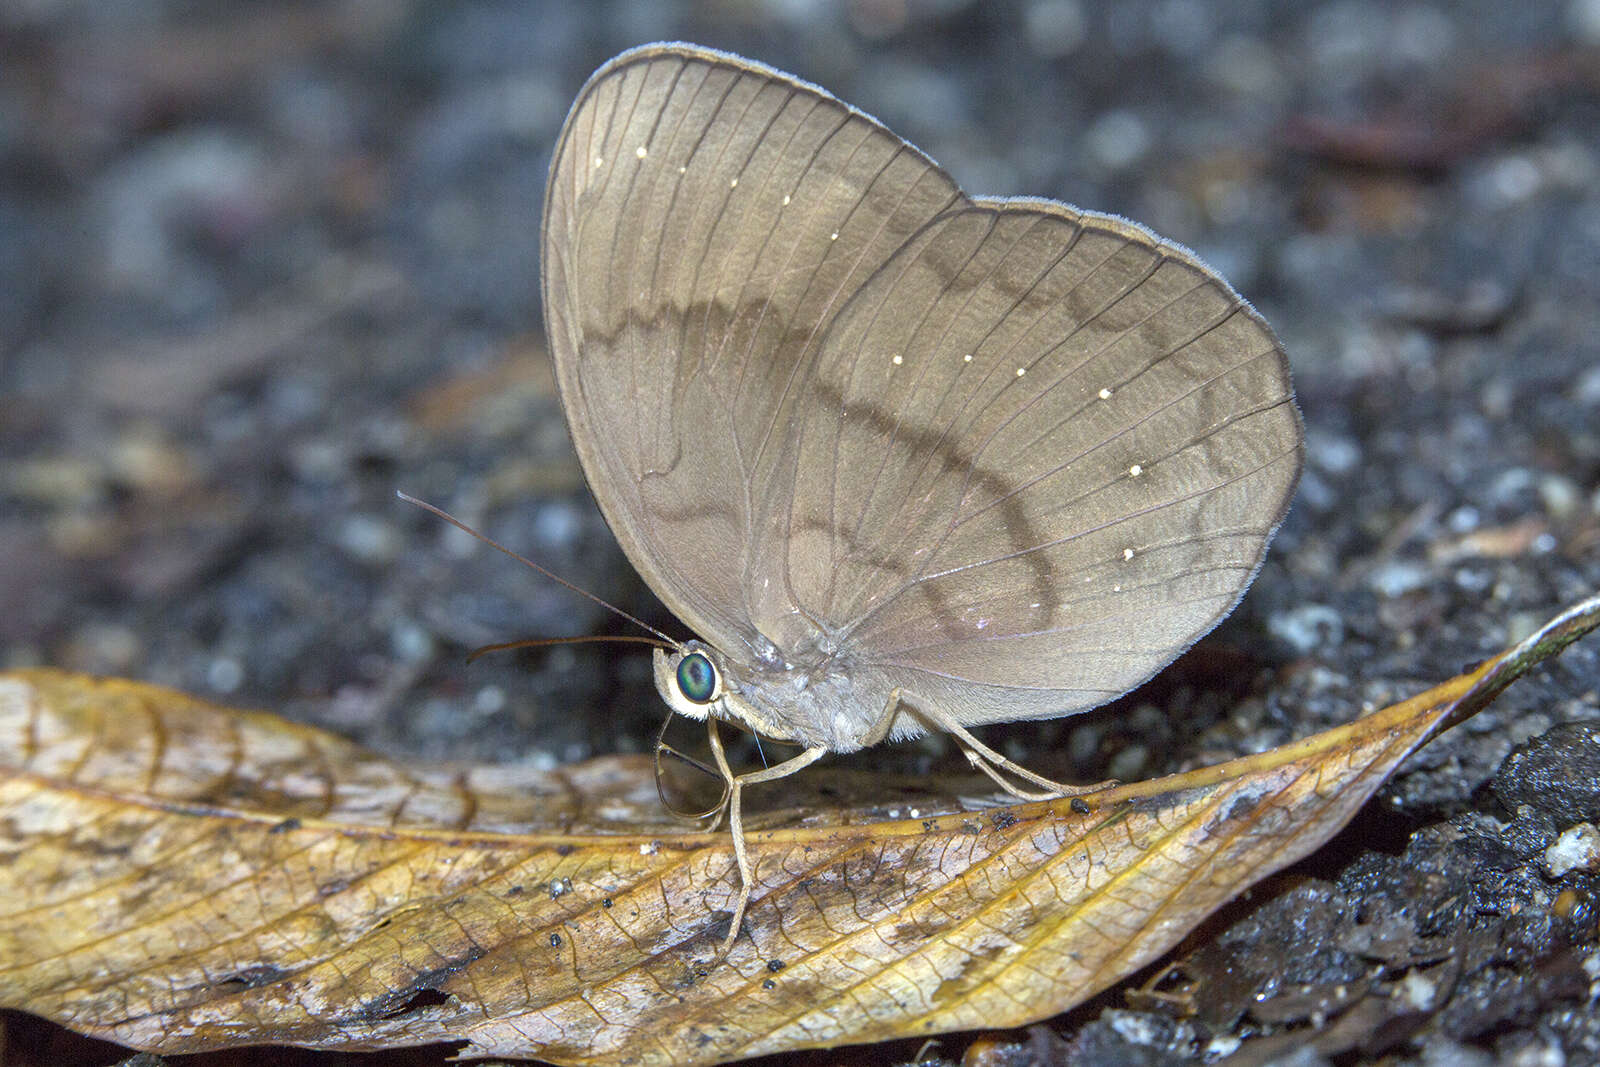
[[1396, 578], [1578, 848], [1307, 627], [370, 539]]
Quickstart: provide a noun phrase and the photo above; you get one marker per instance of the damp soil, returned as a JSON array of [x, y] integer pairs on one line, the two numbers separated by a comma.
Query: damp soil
[[263, 265]]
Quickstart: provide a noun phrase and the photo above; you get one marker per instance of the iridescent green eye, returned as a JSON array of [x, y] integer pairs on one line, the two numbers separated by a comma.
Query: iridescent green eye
[[697, 678]]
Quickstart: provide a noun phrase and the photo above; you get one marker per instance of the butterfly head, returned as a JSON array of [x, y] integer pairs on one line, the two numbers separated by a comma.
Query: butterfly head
[[695, 682]]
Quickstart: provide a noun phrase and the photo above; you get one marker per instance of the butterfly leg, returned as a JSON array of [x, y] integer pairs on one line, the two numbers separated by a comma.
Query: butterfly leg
[[735, 783], [980, 755]]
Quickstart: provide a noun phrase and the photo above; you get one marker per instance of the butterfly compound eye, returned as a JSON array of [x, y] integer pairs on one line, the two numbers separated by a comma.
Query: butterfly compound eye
[[697, 678]]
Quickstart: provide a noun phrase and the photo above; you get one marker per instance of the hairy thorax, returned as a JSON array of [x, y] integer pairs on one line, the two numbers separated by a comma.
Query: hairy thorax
[[812, 692]]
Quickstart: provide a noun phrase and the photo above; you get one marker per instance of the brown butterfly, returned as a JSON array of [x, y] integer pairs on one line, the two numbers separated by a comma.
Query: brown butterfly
[[904, 458]]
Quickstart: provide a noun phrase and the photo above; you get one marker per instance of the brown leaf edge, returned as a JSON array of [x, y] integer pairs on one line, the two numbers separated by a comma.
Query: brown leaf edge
[[232, 916]]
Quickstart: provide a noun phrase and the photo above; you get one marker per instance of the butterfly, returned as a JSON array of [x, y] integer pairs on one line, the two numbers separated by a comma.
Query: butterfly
[[906, 459]]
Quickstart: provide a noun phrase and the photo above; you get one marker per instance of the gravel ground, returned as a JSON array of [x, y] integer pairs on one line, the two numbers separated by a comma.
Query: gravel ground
[[261, 265]]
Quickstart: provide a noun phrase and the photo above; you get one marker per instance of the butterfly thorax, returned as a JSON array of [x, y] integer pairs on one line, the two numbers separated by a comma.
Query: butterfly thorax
[[810, 697]]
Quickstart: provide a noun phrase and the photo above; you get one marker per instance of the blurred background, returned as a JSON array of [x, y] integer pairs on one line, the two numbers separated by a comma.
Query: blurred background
[[261, 265]]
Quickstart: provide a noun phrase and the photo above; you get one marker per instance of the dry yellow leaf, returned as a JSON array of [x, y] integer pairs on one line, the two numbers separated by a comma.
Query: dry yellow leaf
[[177, 876]]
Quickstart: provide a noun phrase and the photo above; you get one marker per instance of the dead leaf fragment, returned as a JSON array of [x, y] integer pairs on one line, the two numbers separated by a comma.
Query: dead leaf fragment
[[177, 876]]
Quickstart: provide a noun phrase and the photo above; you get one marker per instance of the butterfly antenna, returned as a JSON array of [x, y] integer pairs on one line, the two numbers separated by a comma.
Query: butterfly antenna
[[666, 641], [548, 642]]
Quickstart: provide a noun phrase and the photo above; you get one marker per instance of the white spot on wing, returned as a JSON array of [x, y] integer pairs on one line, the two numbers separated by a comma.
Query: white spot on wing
[[641, 151], [1127, 553], [1136, 470], [1105, 394]]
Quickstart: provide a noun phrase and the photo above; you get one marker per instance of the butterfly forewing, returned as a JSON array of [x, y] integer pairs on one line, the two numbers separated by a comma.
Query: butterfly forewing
[[705, 220]]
